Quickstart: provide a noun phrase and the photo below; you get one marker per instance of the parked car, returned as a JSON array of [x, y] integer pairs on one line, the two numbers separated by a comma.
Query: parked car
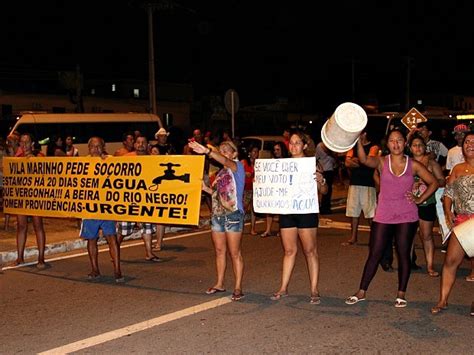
[[264, 143]]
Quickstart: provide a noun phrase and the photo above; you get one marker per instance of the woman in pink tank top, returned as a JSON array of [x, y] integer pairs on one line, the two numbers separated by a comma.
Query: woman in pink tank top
[[396, 214]]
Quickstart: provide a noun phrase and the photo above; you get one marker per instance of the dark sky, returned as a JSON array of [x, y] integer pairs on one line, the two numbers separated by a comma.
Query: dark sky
[[259, 48]]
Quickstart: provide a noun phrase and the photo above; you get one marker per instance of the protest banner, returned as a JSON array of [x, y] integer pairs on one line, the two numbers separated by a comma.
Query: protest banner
[[159, 189], [285, 186]]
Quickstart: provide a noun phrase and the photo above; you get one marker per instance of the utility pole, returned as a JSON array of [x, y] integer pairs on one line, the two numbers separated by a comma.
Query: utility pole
[[151, 6], [409, 61], [151, 62], [353, 78]]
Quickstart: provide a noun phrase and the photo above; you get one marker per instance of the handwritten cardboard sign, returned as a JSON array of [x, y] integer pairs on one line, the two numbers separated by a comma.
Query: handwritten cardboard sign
[[285, 186]]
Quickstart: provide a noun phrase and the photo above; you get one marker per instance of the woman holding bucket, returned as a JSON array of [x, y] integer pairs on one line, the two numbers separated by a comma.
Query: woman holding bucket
[[396, 213], [460, 190], [303, 227]]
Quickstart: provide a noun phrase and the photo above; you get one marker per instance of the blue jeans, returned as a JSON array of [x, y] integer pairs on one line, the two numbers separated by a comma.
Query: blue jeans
[[233, 222]]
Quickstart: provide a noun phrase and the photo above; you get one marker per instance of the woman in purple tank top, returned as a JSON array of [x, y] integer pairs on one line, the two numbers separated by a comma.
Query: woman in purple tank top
[[396, 214]]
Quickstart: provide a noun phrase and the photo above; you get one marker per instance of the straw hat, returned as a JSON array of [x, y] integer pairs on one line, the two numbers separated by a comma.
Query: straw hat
[[161, 132]]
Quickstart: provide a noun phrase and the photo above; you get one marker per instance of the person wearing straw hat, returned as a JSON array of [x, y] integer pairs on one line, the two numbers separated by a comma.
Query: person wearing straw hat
[[396, 213], [459, 194], [163, 146]]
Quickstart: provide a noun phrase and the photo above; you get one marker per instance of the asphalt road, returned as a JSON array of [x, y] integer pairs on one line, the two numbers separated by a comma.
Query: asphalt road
[[162, 306]]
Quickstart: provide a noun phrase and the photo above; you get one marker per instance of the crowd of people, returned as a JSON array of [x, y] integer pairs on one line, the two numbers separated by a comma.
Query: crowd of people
[[393, 184]]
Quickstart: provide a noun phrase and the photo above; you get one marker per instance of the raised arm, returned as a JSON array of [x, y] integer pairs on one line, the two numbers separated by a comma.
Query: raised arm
[[371, 162], [200, 149]]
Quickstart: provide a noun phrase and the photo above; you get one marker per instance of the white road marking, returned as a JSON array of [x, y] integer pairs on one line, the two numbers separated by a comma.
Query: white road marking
[[138, 327]]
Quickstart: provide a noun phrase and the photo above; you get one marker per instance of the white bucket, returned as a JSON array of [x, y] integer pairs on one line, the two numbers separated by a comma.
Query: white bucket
[[341, 131], [465, 234]]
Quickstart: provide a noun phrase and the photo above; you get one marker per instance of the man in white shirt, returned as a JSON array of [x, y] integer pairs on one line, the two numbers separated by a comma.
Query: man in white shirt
[[455, 155]]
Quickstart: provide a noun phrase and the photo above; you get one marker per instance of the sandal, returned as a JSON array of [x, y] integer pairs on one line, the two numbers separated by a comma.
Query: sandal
[[433, 273], [93, 276], [470, 278], [266, 235], [400, 302], [354, 299], [348, 243], [315, 299], [278, 296], [438, 309], [237, 295], [213, 290]]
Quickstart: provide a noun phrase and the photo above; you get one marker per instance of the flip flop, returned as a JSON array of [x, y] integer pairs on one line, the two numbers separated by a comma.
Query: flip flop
[[266, 235], [315, 299], [438, 309], [400, 302], [237, 295], [213, 290], [353, 300], [346, 244], [154, 259], [433, 273], [470, 278], [278, 296]]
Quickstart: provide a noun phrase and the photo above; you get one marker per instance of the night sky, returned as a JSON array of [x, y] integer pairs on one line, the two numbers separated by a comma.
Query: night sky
[[263, 50]]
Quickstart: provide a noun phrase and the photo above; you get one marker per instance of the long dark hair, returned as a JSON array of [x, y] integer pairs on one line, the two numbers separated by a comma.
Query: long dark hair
[[283, 148], [246, 156]]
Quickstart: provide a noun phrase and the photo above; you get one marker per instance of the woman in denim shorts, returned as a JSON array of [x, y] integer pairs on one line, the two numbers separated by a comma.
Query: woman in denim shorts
[[227, 213], [303, 227]]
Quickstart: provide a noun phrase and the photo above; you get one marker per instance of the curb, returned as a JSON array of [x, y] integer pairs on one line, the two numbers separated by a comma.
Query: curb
[[7, 257], [79, 243]]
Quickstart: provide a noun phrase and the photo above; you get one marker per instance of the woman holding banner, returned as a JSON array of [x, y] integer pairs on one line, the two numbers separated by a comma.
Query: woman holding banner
[[459, 193], [227, 221], [26, 150], [396, 213], [303, 227]]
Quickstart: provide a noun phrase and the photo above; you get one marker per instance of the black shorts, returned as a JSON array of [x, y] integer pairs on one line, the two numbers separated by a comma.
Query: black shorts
[[427, 212], [309, 220]]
